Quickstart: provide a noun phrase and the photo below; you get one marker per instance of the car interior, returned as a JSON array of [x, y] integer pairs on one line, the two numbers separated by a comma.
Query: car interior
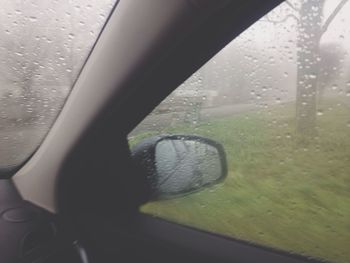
[[77, 197]]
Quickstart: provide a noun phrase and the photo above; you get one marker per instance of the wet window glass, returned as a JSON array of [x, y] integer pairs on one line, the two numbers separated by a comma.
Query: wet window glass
[[278, 99], [43, 45]]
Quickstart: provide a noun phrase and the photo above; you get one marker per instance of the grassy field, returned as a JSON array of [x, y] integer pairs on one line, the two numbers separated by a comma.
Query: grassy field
[[279, 192]]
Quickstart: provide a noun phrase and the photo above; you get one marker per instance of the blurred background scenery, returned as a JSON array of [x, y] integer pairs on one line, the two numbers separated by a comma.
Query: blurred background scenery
[[43, 46], [278, 99]]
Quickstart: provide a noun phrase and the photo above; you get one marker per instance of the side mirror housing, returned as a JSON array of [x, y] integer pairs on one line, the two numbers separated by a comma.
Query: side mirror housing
[[177, 165]]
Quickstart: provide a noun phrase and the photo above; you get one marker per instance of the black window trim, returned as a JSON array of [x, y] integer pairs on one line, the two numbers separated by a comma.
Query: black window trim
[[213, 245]]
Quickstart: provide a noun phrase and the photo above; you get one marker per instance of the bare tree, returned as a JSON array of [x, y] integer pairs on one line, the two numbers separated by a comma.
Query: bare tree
[[310, 33], [311, 28]]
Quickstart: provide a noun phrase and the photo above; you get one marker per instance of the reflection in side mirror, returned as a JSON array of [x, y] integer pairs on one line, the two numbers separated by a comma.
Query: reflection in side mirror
[[180, 164], [185, 165]]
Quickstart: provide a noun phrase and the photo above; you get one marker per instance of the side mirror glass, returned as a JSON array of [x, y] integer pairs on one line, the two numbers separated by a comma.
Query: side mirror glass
[[177, 165]]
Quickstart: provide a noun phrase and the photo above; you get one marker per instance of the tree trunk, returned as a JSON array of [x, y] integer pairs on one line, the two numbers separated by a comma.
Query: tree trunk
[[310, 32]]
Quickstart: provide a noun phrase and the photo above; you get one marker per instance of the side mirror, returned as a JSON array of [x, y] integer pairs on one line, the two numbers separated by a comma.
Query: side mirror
[[176, 165]]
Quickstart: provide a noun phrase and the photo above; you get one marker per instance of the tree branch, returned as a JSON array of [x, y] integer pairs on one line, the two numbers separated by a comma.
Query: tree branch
[[292, 6], [332, 16]]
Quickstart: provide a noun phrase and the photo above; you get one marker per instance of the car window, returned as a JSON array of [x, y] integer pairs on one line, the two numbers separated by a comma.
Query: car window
[[278, 99], [43, 46]]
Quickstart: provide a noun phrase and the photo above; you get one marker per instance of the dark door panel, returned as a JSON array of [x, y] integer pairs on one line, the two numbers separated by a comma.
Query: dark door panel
[[31, 234], [144, 238]]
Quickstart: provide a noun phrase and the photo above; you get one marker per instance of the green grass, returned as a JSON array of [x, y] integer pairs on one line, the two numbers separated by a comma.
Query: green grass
[[279, 192]]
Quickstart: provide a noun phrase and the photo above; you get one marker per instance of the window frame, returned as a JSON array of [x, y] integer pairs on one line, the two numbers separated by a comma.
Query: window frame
[[156, 229]]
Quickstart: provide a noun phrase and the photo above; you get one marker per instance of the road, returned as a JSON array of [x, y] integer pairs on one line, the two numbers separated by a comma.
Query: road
[[160, 121]]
